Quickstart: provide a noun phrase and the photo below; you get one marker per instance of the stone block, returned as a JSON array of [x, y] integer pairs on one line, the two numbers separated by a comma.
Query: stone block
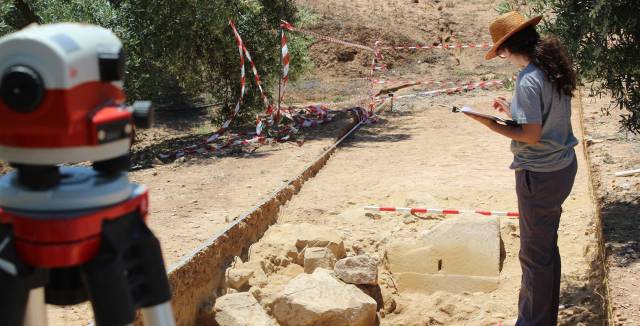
[[357, 270], [459, 254], [292, 240], [318, 257], [240, 309], [320, 299], [237, 278]]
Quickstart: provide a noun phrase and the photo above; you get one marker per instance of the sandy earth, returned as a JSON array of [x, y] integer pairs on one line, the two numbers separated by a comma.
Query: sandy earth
[[422, 155], [612, 150], [193, 199], [404, 161]]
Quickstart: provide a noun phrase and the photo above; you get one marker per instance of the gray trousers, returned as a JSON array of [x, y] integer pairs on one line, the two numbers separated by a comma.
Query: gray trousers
[[540, 198]]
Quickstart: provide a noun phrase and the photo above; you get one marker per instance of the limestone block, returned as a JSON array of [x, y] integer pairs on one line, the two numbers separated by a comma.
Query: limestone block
[[320, 299], [318, 257], [267, 295], [240, 309], [295, 255], [291, 240], [319, 236], [292, 270], [459, 254], [357, 270], [429, 283], [236, 278]]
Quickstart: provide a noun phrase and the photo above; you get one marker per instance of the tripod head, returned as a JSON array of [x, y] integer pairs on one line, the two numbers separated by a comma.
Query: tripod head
[[61, 101]]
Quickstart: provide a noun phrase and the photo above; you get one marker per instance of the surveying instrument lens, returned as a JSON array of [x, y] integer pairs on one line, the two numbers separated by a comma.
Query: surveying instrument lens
[[22, 89]]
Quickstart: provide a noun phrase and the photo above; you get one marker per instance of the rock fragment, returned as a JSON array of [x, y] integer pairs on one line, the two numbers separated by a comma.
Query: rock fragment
[[240, 309], [360, 269], [320, 299]]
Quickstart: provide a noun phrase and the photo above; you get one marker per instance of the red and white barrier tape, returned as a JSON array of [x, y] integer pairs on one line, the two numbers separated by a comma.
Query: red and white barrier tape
[[290, 27], [286, 59], [206, 147], [374, 63], [260, 125], [452, 90], [379, 99], [226, 124], [428, 82], [355, 100], [439, 211], [233, 140], [318, 113], [311, 116], [440, 46]]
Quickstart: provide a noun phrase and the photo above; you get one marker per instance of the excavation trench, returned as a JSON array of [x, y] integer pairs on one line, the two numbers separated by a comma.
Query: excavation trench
[[198, 278], [431, 269]]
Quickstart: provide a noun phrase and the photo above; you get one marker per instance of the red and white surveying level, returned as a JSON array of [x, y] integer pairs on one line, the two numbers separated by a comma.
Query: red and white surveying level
[[72, 234]]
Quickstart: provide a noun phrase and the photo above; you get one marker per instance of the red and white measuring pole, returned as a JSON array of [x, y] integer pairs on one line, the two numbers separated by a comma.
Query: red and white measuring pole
[[438, 211]]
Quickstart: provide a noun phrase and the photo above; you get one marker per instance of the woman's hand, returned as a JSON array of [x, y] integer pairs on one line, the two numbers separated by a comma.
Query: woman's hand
[[501, 105]]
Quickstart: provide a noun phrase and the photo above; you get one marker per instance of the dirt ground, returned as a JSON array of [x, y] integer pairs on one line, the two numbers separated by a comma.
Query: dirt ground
[[194, 198], [612, 150], [404, 162], [421, 155]]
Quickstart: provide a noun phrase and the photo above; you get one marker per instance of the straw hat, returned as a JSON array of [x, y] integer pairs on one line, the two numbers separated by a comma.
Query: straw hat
[[505, 26]]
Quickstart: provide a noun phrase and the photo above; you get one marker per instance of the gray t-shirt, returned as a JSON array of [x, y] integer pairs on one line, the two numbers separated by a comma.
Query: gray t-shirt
[[537, 101]]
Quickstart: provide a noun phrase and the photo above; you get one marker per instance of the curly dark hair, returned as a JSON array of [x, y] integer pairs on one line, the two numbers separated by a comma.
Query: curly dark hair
[[548, 54]]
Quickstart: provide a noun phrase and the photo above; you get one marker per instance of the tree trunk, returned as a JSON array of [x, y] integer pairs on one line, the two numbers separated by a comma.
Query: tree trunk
[[28, 16]]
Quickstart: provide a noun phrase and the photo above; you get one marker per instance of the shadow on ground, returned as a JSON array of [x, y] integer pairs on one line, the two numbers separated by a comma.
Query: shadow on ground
[[621, 231], [583, 300], [183, 119], [382, 131], [149, 154]]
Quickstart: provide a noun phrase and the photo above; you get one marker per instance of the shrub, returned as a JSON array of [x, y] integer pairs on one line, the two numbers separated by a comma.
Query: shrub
[[180, 52], [603, 39]]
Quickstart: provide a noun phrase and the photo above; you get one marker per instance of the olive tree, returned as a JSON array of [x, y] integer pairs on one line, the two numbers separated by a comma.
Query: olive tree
[[603, 39], [180, 52]]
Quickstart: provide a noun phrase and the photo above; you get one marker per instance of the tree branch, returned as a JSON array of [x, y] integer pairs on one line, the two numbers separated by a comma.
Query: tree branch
[[28, 15]]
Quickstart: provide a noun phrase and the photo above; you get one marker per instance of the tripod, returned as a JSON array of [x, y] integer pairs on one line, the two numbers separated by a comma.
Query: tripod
[[72, 234]]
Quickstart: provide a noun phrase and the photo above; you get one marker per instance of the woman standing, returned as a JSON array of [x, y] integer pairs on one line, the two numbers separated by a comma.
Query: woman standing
[[544, 159]]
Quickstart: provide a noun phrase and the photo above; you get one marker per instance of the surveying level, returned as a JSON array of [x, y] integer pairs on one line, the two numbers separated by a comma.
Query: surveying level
[[72, 234]]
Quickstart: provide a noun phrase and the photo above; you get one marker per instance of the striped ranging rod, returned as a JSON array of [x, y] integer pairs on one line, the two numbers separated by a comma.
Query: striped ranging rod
[[438, 210]]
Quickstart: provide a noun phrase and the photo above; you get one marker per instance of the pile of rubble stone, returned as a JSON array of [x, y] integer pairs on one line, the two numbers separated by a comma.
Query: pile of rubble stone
[[302, 274], [312, 283]]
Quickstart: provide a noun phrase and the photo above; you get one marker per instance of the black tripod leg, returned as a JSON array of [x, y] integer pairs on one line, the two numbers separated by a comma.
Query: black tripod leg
[[16, 280], [106, 277], [127, 273], [66, 287], [148, 278], [147, 275], [109, 292]]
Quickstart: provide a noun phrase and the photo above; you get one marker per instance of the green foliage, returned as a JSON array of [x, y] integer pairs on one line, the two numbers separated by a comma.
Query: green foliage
[[603, 39], [507, 6], [307, 17], [5, 8], [181, 51], [509, 84]]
